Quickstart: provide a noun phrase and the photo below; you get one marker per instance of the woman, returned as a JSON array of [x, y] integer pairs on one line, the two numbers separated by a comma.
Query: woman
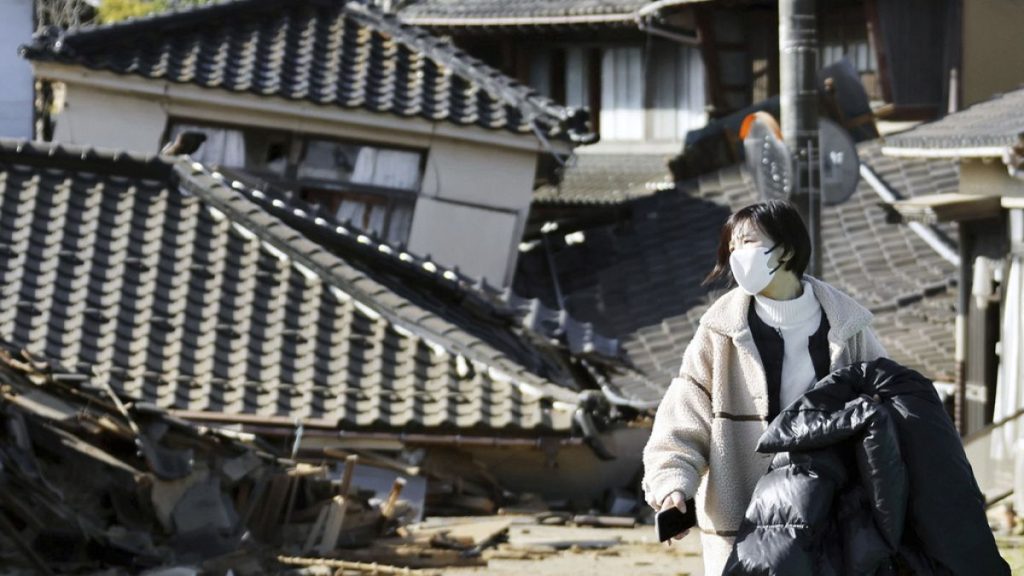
[[757, 349]]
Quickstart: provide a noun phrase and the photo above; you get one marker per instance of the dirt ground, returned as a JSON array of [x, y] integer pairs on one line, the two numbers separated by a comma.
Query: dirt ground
[[636, 552]]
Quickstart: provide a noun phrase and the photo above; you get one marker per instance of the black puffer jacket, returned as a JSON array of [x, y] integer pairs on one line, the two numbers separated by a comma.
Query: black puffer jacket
[[860, 486]]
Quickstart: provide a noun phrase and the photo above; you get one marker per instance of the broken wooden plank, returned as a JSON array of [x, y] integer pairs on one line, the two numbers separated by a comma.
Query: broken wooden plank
[[369, 567], [335, 519], [314, 532], [388, 510], [603, 521], [346, 476]]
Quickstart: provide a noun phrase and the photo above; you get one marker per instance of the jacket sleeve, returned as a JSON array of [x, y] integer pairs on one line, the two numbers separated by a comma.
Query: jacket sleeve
[[870, 346], [676, 454]]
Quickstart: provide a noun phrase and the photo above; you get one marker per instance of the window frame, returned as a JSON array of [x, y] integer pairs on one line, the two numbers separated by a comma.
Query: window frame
[[391, 198]]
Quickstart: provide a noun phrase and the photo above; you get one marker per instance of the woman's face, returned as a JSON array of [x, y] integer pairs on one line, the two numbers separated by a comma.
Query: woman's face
[[747, 235]]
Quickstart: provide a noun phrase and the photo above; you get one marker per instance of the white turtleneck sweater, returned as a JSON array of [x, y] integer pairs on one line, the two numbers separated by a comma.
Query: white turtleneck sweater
[[796, 320]]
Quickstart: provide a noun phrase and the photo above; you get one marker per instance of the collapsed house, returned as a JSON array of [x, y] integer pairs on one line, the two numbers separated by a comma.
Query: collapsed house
[[181, 289]]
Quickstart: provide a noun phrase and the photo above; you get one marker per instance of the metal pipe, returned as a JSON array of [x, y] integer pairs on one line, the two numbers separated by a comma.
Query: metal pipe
[[962, 304], [798, 67], [926, 233]]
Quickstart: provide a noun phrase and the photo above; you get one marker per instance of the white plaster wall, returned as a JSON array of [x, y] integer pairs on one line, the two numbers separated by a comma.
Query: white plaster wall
[[477, 240], [497, 177], [16, 86], [989, 179], [993, 61], [473, 207], [106, 119]]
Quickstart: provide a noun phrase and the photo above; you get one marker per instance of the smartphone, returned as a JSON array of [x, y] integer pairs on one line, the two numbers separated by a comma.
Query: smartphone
[[671, 521]]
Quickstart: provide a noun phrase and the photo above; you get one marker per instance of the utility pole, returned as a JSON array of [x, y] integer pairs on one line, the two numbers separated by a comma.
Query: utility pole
[[798, 58]]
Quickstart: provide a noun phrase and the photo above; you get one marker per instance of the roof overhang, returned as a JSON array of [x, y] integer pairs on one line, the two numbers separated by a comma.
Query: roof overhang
[[980, 152], [518, 21], [631, 17], [950, 207]]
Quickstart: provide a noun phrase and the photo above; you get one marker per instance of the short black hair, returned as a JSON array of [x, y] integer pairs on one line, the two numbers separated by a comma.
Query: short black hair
[[781, 222]]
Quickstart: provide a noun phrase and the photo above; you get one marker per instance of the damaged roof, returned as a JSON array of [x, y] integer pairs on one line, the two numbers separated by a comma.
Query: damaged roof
[[607, 179], [518, 12], [517, 324], [347, 54], [639, 279], [986, 129], [175, 287]]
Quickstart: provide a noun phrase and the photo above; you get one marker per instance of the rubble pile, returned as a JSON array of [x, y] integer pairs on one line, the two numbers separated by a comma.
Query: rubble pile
[[90, 481], [87, 481], [94, 483]]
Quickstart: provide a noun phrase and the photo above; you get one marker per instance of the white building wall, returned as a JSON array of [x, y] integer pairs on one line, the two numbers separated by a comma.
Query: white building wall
[[473, 208], [106, 119], [474, 200], [15, 73]]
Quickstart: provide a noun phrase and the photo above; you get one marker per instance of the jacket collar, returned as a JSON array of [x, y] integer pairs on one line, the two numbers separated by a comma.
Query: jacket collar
[[728, 315]]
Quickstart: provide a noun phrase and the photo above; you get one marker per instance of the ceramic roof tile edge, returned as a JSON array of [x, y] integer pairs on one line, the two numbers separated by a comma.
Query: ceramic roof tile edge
[[620, 16], [529, 313], [561, 121], [213, 190]]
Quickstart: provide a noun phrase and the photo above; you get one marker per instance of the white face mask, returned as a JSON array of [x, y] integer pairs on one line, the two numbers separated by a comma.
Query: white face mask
[[750, 268]]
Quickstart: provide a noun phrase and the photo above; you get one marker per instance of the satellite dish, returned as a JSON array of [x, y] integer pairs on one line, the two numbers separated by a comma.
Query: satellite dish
[[840, 165], [768, 157]]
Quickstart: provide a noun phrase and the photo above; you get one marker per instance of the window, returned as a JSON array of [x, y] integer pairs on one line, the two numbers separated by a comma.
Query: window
[[373, 188], [622, 94], [223, 146], [677, 101], [665, 105], [844, 32]]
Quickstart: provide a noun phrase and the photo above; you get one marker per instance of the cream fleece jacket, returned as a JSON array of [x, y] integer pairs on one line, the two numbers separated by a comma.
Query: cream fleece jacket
[[707, 426]]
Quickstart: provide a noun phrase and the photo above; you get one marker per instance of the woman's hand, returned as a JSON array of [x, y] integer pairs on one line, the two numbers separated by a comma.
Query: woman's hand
[[677, 499]]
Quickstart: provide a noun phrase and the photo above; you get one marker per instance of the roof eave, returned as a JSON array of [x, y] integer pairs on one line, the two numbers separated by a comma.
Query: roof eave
[[516, 21], [932, 152], [949, 207]]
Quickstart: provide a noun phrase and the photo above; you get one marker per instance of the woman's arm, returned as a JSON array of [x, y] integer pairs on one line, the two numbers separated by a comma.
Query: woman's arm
[[676, 454], [871, 348]]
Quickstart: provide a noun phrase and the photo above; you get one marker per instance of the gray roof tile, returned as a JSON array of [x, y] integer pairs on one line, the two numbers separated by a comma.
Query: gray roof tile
[[994, 123], [607, 179], [218, 321]]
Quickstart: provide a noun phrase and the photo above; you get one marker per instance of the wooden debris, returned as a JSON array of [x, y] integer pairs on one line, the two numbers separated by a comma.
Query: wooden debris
[[603, 521], [332, 526], [368, 567], [396, 490]]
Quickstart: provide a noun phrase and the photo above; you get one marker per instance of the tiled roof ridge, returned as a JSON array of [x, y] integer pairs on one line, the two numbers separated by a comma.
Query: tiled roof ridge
[[529, 314], [545, 116], [218, 195], [134, 163]]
